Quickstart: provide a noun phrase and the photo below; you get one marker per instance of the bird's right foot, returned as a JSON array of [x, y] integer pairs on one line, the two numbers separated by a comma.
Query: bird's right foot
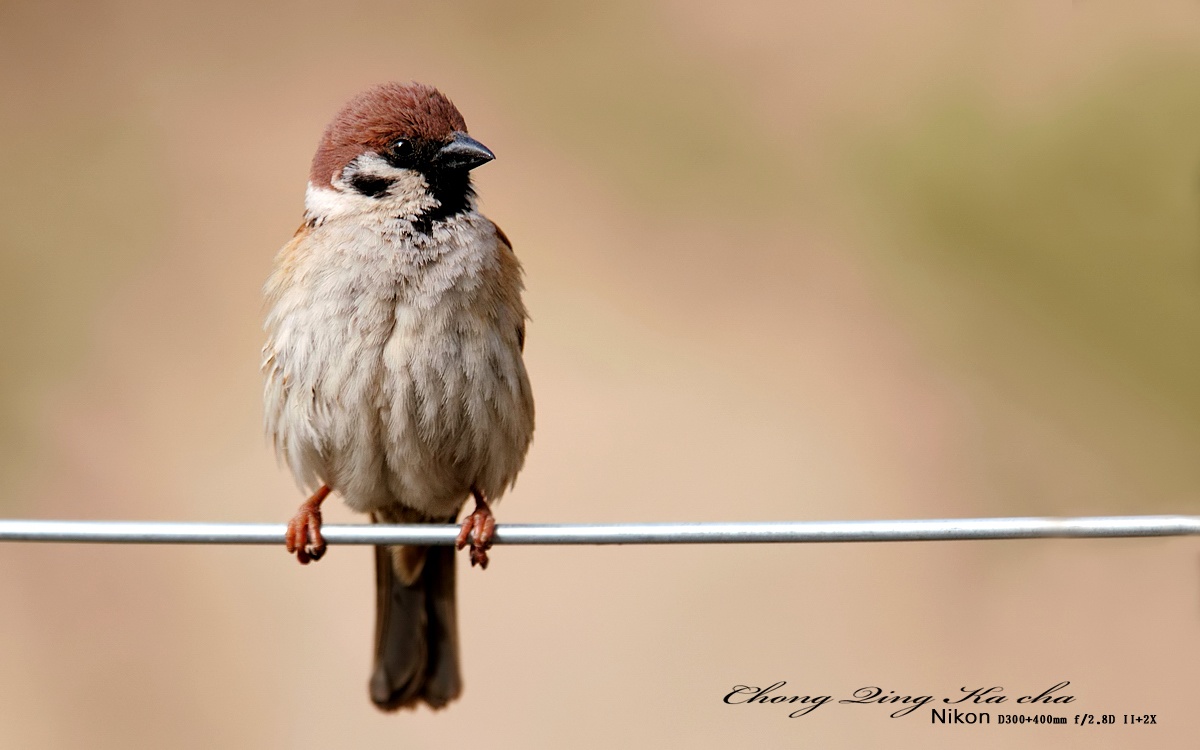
[[477, 530]]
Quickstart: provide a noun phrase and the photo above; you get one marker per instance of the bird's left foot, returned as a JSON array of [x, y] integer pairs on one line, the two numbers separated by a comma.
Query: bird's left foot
[[304, 530], [478, 528]]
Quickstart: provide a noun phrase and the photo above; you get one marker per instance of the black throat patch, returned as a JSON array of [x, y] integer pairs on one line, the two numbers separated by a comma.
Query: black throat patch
[[453, 192]]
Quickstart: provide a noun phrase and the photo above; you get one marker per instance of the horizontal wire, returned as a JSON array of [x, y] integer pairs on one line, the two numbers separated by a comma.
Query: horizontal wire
[[151, 532]]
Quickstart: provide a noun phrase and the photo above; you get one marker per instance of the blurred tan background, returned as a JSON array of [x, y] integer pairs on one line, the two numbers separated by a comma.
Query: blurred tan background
[[838, 261]]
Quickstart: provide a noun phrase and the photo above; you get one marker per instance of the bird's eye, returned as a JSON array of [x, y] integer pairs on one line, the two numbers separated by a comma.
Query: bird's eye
[[401, 148]]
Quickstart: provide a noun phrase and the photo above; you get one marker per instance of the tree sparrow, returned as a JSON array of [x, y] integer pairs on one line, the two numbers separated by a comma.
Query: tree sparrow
[[393, 364]]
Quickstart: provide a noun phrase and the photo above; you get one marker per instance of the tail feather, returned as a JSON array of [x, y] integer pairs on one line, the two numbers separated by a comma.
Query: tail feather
[[416, 628]]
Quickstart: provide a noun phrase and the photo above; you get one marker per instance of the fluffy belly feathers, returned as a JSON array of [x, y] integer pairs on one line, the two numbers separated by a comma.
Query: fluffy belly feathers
[[394, 394]]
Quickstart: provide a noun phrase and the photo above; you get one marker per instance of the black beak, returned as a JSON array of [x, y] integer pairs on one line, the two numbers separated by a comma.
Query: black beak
[[462, 152]]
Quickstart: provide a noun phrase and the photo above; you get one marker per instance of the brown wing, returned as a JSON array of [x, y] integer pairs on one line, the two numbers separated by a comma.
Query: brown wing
[[508, 243], [285, 263]]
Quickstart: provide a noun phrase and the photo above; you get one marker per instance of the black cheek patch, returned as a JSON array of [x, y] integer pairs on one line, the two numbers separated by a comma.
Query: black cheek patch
[[369, 185]]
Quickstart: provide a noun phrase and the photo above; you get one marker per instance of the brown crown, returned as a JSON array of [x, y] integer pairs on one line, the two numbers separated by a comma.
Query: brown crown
[[378, 116]]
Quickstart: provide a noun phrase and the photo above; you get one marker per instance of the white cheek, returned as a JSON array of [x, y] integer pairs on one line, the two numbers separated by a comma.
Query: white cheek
[[408, 194], [325, 202]]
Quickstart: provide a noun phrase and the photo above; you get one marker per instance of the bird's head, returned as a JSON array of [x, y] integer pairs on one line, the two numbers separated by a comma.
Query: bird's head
[[400, 149]]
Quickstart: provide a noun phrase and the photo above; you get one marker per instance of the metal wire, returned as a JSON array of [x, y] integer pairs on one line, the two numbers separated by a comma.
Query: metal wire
[[148, 532]]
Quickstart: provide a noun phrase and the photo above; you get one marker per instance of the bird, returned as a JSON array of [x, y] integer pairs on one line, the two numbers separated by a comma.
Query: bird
[[393, 365]]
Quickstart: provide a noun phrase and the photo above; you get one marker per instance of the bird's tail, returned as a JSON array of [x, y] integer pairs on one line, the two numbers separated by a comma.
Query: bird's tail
[[416, 625]]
